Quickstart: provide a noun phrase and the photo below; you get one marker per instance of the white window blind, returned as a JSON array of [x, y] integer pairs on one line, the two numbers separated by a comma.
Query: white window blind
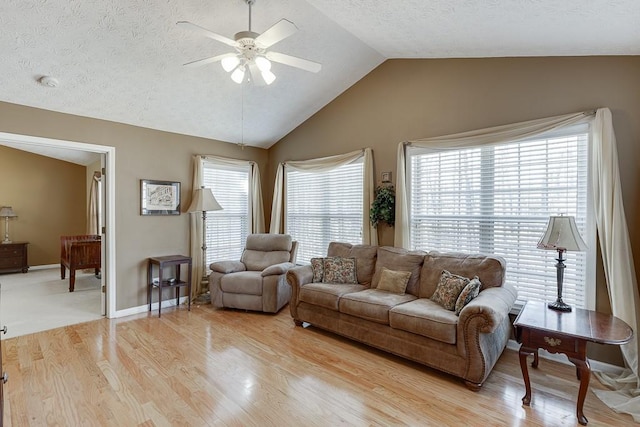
[[322, 207], [226, 232], [498, 199]]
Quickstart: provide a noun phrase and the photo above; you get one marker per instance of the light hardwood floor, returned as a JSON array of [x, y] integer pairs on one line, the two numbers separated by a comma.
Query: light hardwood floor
[[232, 368]]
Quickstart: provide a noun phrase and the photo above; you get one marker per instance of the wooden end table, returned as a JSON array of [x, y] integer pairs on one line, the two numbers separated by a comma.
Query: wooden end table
[[161, 262], [538, 326]]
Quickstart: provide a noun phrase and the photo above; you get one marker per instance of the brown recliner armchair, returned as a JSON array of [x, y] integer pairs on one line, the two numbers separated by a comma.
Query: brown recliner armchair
[[257, 282], [77, 253]]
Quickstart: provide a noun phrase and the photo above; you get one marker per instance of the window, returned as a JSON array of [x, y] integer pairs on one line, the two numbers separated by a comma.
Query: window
[[498, 199], [322, 207], [227, 229]]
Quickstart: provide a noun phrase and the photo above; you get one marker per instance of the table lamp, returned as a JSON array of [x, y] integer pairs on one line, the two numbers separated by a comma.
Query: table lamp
[[203, 201], [561, 235], [7, 212]]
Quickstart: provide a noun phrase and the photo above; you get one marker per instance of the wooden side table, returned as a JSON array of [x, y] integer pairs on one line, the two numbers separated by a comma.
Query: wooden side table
[[13, 257], [161, 262], [537, 326]]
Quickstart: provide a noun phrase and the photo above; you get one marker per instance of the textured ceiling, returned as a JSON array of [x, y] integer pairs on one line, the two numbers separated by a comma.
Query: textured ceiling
[[121, 60]]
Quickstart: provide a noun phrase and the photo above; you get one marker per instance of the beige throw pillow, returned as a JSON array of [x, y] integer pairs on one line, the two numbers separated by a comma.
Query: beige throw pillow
[[393, 281]]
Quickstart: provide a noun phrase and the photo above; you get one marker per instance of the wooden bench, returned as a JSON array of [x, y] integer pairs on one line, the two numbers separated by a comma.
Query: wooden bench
[[77, 253]]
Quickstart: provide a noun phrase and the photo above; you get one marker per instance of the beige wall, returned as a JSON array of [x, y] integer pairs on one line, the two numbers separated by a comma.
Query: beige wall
[[409, 99], [140, 153], [48, 196]]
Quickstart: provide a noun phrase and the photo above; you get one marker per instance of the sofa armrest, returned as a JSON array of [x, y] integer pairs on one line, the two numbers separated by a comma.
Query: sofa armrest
[[484, 328], [226, 267], [297, 277], [277, 269], [493, 305]]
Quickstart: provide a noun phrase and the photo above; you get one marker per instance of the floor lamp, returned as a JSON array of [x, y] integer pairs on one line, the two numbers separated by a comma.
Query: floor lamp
[[203, 201], [7, 212], [561, 235]]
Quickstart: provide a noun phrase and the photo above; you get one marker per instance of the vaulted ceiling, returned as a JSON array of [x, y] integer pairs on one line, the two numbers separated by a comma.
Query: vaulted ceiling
[[121, 60]]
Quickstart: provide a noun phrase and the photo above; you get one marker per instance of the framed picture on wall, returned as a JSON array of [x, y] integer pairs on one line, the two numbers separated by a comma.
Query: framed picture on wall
[[159, 197]]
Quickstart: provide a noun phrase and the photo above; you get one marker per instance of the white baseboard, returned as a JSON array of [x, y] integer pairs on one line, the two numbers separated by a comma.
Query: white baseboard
[[596, 365], [44, 267], [154, 307]]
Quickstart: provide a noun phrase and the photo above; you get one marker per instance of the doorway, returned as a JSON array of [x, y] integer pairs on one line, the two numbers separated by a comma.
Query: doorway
[[47, 147]]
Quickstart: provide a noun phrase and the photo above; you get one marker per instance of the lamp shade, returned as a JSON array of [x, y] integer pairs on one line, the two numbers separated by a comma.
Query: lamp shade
[[562, 234], [203, 201], [7, 212]]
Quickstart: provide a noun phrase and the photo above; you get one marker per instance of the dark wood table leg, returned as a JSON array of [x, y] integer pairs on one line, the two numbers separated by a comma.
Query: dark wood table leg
[[523, 353], [149, 282], [584, 373]]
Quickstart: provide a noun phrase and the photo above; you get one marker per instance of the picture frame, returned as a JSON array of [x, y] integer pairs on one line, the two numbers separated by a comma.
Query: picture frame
[[159, 197], [386, 177]]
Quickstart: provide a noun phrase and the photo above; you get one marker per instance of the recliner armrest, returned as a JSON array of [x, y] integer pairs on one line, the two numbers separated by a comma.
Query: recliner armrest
[[226, 267], [277, 269]]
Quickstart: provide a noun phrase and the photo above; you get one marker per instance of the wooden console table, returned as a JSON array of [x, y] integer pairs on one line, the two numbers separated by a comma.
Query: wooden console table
[[161, 262], [537, 326]]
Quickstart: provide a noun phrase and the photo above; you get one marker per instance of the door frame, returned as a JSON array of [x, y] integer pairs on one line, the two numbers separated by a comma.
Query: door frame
[[109, 267]]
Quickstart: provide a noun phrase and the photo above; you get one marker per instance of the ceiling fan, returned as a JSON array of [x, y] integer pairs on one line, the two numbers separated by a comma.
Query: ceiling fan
[[252, 57]]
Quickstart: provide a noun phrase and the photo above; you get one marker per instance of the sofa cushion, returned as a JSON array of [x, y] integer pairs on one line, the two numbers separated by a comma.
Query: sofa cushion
[[448, 289], [259, 260], [339, 270], [266, 242], [399, 259], [468, 293], [393, 281], [326, 294], [372, 304], [427, 318], [243, 282], [489, 269], [365, 256], [317, 266]]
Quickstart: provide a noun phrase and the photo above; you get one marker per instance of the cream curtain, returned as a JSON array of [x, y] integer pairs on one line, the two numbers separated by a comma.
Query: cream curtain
[[618, 263], [611, 223], [93, 222], [369, 234], [195, 220]]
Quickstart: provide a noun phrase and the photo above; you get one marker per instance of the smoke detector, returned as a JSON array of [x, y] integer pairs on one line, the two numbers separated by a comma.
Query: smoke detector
[[48, 81]]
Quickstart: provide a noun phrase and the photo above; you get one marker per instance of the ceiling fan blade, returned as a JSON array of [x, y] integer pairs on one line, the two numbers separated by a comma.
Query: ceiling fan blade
[[277, 32], [210, 60], [294, 61], [207, 33]]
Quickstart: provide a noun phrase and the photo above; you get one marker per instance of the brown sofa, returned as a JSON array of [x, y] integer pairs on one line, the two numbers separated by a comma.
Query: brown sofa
[[411, 325]]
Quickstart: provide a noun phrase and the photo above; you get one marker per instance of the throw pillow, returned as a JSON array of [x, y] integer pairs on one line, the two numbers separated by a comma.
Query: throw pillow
[[339, 270], [317, 265], [468, 293], [393, 281], [448, 289]]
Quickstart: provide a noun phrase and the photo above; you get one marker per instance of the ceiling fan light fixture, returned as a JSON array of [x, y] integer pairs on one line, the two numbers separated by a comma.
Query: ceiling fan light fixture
[[268, 77], [263, 64], [238, 75], [229, 63]]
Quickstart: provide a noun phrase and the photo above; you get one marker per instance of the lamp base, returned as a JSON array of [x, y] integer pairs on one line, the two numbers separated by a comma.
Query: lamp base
[[559, 305], [5, 241]]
